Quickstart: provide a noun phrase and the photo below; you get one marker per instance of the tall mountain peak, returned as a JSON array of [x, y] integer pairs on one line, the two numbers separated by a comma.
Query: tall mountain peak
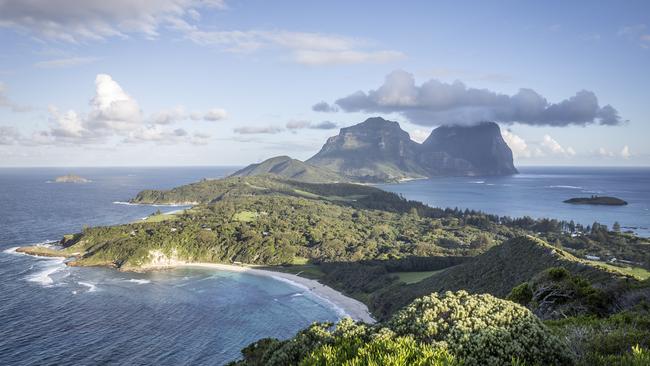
[[379, 150]]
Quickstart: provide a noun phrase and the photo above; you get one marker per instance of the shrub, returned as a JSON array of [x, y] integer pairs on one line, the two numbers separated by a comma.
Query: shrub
[[383, 348], [521, 294], [480, 329]]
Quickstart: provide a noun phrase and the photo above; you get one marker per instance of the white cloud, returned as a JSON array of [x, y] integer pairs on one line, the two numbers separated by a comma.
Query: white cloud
[[551, 146], [517, 144], [548, 146], [602, 152], [112, 107], [91, 20], [78, 21], [114, 113], [159, 135], [65, 62], [168, 116], [419, 136], [215, 114], [253, 130], [625, 152]]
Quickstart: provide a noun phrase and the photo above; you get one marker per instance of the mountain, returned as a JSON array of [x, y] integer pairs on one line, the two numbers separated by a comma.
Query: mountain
[[374, 150], [378, 150], [467, 150], [286, 167]]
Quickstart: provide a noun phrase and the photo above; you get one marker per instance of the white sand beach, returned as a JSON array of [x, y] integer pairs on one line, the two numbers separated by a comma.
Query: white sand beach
[[347, 306]]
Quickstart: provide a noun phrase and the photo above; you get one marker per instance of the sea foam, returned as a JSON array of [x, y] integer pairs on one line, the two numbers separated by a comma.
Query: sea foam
[[91, 287]]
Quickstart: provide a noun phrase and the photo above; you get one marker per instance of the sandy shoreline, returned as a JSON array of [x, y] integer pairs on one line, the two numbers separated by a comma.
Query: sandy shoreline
[[347, 306]]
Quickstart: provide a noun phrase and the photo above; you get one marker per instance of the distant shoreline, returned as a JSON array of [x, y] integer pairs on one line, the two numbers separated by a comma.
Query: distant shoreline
[[345, 305]]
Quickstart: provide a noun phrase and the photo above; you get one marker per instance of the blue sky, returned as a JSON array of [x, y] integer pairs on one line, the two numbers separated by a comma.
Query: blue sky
[[185, 82]]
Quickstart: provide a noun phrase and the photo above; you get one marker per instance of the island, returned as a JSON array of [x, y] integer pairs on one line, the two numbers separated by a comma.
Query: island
[[71, 178], [597, 200], [445, 286]]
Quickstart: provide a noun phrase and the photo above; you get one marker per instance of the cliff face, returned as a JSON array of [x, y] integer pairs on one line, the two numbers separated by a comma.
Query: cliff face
[[374, 150], [379, 150], [467, 150]]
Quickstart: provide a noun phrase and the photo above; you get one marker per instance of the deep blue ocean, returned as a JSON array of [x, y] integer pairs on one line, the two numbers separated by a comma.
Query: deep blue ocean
[[51, 314], [540, 191]]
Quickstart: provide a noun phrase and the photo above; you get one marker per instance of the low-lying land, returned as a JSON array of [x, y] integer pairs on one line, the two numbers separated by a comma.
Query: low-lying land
[[389, 252], [597, 200]]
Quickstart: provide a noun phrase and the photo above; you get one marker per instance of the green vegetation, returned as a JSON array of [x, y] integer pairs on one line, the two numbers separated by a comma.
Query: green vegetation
[[387, 251], [160, 217], [621, 339], [450, 329], [414, 277], [597, 200], [288, 168]]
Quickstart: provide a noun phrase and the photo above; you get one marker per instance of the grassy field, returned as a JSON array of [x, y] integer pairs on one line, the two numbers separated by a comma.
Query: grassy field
[[414, 277], [636, 272]]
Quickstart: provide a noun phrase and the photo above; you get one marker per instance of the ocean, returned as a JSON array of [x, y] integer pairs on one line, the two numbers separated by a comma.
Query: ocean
[[52, 314], [540, 191]]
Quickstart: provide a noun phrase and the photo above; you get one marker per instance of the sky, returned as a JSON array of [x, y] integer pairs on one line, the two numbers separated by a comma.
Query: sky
[[232, 82]]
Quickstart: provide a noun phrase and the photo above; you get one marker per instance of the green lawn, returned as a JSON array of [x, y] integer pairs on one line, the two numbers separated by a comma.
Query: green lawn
[[414, 277]]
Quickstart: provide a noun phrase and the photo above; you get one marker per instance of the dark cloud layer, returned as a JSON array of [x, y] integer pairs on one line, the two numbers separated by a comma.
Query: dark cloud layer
[[435, 103]]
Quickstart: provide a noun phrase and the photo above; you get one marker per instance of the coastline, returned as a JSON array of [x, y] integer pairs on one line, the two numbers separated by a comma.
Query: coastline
[[345, 305]]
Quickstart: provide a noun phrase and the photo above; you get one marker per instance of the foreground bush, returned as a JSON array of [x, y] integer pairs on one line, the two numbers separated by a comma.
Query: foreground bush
[[480, 329], [450, 329]]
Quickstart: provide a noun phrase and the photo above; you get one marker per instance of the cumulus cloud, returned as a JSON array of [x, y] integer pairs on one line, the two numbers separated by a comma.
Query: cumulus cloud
[[65, 62], [78, 21], [168, 116], [435, 103], [517, 144], [114, 113], [602, 152], [324, 107], [301, 124], [546, 147], [254, 130], [215, 114], [554, 147], [625, 152]]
